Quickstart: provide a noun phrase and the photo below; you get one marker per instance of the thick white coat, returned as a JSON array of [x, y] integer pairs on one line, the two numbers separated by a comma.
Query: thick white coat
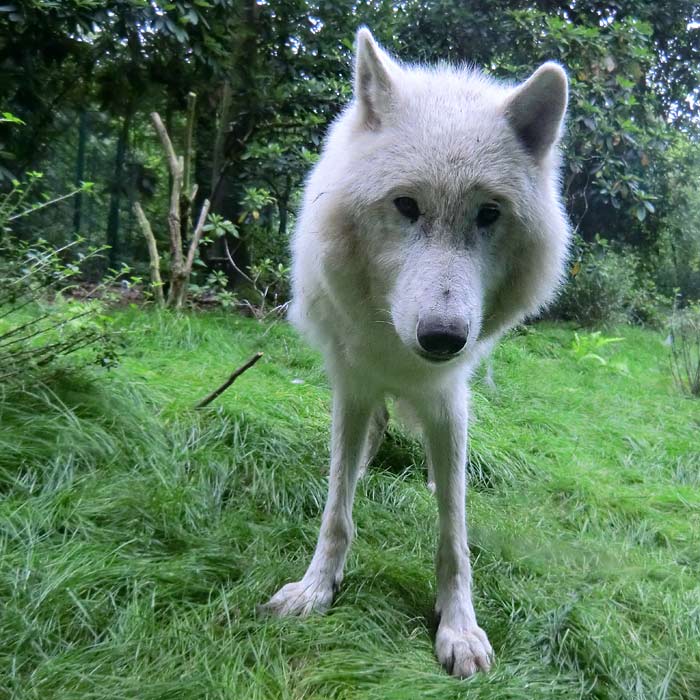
[[364, 276]]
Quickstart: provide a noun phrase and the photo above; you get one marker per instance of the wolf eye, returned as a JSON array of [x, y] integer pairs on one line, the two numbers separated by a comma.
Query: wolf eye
[[488, 214], [408, 207]]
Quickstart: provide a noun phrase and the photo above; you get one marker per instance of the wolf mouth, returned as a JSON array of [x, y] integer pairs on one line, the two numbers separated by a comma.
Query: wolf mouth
[[437, 359]]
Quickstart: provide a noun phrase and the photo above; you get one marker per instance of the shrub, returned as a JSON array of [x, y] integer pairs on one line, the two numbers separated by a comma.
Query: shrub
[[685, 349], [265, 288], [40, 322], [608, 284], [677, 263]]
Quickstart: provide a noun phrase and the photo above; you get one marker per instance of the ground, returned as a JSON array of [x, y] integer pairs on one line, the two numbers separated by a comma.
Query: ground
[[137, 535]]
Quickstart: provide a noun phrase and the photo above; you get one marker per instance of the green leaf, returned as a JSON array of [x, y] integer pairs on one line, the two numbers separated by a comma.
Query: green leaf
[[8, 117]]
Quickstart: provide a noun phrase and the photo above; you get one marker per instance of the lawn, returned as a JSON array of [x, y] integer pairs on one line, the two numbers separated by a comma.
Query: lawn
[[137, 535]]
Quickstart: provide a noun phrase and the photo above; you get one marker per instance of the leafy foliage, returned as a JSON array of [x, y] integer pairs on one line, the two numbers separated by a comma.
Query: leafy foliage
[[40, 323], [676, 262], [616, 129], [266, 284], [607, 284], [589, 348], [13, 204], [271, 76]]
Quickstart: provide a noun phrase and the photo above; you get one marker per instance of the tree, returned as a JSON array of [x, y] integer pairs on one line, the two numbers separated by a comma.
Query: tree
[[271, 76]]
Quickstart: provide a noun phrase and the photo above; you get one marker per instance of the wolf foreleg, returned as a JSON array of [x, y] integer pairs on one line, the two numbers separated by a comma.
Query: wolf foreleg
[[460, 644], [315, 591]]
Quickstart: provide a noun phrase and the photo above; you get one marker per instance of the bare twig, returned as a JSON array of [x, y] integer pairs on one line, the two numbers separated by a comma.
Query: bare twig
[[191, 102], [43, 329], [44, 261], [176, 166], [180, 276], [217, 392], [45, 204], [154, 258], [181, 197], [18, 329], [197, 236], [188, 192], [235, 267], [174, 215], [173, 162], [685, 351]]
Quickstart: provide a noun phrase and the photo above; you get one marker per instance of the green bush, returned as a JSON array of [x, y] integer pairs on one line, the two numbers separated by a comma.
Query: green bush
[[677, 263], [43, 317], [608, 284], [685, 349]]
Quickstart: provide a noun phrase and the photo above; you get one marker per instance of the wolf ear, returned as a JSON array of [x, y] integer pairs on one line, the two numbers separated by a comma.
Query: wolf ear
[[536, 109], [373, 83]]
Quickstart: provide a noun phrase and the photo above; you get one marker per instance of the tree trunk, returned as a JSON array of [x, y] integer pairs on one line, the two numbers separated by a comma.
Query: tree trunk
[[189, 192], [80, 171], [117, 188], [154, 258], [239, 107], [222, 127]]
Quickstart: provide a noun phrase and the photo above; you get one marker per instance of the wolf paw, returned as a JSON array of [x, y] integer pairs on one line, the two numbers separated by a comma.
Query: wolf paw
[[299, 598], [463, 653]]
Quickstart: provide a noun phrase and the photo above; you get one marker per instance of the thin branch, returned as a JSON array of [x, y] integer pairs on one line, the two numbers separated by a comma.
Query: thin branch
[[45, 260], [45, 329], [19, 329], [191, 102], [42, 355], [154, 258], [197, 236], [45, 204], [217, 392], [176, 262], [174, 215], [69, 348], [13, 309], [173, 162], [235, 267]]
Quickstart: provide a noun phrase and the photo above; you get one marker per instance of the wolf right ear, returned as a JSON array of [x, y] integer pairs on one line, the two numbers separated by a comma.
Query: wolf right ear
[[373, 82], [536, 109]]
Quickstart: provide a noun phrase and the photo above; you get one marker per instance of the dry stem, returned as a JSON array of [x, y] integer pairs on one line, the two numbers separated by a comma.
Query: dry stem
[[217, 392]]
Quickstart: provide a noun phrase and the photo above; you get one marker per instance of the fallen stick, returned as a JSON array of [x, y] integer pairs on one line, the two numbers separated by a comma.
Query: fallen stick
[[217, 392]]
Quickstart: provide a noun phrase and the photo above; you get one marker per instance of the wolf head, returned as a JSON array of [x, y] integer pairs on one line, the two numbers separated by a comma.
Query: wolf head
[[444, 184]]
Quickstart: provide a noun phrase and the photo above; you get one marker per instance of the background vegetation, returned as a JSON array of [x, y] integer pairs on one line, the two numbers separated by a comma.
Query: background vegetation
[[137, 535], [83, 76]]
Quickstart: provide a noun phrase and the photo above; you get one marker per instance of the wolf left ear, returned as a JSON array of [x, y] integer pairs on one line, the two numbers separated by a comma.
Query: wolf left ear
[[536, 109], [373, 83]]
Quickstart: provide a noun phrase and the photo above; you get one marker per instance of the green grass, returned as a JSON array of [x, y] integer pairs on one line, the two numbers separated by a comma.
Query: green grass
[[137, 535]]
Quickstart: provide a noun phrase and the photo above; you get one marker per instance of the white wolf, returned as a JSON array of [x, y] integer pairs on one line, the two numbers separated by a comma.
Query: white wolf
[[431, 224]]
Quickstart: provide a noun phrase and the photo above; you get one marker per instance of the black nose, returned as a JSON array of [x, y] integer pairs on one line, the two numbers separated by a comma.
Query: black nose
[[440, 338]]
